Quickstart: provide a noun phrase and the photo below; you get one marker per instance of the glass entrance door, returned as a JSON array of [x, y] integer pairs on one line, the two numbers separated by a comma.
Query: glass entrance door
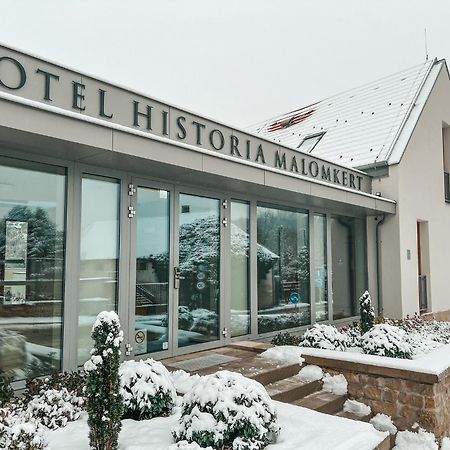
[[152, 291], [197, 276]]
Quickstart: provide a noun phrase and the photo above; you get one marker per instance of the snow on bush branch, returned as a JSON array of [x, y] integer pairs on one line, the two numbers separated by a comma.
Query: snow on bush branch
[[104, 402], [227, 410]]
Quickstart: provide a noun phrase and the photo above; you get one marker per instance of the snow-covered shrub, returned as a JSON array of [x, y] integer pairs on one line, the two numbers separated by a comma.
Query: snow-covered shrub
[[74, 382], [6, 391], [285, 338], [20, 433], [324, 336], [386, 340], [54, 408], [366, 311], [104, 402], [353, 333], [409, 440], [146, 389], [227, 410]]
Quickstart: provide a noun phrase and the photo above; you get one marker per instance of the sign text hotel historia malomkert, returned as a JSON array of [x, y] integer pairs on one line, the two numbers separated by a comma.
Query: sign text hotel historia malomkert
[[164, 121]]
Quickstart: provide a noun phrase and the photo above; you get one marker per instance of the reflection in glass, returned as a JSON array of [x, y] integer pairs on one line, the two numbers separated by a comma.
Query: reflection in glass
[[320, 267], [152, 271], [199, 262], [240, 268], [283, 268], [32, 234], [99, 254], [349, 263]]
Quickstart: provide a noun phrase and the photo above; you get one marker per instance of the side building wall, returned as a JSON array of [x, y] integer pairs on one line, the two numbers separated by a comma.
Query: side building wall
[[417, 183]]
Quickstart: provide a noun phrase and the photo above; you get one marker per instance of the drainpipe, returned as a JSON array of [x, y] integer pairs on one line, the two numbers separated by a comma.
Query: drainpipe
[[378, 243]]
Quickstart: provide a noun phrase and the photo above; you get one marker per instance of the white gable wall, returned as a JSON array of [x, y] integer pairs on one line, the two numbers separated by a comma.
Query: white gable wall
[[417, 184]]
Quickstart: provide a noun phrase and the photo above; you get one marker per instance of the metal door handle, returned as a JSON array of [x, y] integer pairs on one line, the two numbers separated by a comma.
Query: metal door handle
[[177, 277]]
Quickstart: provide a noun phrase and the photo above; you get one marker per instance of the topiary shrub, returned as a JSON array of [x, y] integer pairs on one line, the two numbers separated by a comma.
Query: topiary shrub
[[54, 408], [386, 340], [6, 391], [366, 311], [20, 433], [147, 389], [104, 402], [326, 337], [227, 411], [285, 338]]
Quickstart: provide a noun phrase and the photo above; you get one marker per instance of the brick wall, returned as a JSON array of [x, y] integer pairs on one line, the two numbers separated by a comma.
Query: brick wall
[[408, 397]]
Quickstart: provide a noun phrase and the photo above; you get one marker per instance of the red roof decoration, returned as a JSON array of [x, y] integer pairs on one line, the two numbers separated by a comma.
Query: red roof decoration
[[286, 123]]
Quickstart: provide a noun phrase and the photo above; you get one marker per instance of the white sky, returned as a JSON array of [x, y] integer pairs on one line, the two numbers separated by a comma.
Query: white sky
[[240, 61]]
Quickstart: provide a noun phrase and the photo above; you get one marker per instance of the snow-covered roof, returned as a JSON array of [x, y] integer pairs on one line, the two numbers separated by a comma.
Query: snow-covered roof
[[362, 127]]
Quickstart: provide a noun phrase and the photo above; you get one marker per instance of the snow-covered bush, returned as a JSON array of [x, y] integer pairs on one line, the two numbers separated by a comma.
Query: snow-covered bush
[[387, 340], [74, 382], [366, 311], [146, 388], [20, 433], [324, 336], [54, 408], [205, 322], [6, 391], [353, 333], [104, 402], [285, 338], [227, 410]]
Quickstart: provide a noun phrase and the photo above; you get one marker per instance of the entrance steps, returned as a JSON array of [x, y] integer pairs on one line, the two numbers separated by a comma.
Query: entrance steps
[[280, 381]]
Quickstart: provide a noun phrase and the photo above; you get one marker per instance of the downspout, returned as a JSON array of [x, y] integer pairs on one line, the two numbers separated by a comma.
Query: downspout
[[378, 244]]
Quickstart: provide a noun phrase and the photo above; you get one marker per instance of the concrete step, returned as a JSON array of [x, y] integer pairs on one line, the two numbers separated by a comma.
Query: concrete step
[[253, 346], [349, 415], [322, 401], [387, 444], [290, 389]]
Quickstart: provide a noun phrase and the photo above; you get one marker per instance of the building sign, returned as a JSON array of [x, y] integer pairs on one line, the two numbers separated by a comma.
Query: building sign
[[34, 79]]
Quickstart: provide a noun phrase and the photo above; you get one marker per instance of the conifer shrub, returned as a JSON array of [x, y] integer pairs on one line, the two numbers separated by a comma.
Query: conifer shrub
[[104, 402], [326, 337], [146, 389], [387, 340], [227, 411], [366, 311]]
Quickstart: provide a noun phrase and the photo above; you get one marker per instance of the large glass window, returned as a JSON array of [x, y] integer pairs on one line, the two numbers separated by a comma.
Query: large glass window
[[240, 268], [199, 269], [283, 268], [32, 236], [99, 254], [320, 267], [152, 271], [349, 264]]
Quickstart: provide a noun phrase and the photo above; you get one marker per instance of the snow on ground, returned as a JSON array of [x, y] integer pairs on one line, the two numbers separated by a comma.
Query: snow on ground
[[300, 428], [358, 408], [336, 384], [445, 444], [310, 373], [382, 422], [408, 440], [433, 363], [290, 354]]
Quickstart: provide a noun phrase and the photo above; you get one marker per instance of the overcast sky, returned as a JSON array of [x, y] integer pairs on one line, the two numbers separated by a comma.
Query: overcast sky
[[240, 61]]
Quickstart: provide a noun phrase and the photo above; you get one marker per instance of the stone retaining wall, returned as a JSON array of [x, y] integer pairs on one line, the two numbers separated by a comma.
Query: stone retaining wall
[[408, 397]]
